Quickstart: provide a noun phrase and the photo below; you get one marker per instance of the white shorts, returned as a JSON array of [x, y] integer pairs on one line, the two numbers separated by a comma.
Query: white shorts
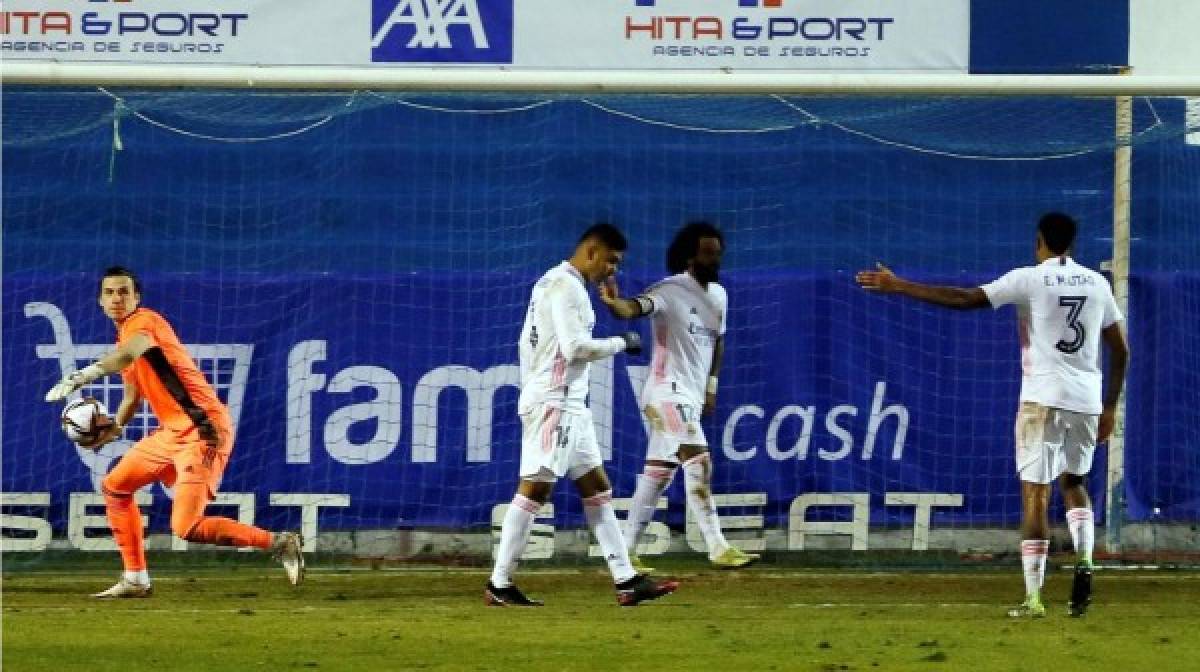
[[557, 443], [1051, 441], [673, 422]]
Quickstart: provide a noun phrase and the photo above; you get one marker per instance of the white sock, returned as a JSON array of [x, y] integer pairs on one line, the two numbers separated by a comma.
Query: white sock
[[141, 577], [602, 518], [651, 484], [514, 535], [1082, 525], [698, 479], [1033, 561]]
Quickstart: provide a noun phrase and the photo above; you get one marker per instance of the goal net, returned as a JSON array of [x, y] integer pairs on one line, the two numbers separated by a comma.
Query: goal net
[[351, 269]]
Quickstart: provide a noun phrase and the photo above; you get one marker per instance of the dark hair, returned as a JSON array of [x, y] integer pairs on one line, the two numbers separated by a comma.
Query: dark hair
[[686, 244], [1058, 231], [607, 234], [120, 272]]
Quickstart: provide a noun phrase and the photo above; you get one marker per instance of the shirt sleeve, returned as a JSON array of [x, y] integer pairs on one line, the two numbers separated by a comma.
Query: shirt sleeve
[[658, 298], [139, 323], [1008, 288], [574, 335], [143, 323]]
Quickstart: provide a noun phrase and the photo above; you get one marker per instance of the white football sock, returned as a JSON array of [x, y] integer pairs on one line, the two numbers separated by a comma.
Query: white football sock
[[141, 577], [1082, 525], [514, 535], [698, 480], [1033, 561], [651, 484], [602, 518]]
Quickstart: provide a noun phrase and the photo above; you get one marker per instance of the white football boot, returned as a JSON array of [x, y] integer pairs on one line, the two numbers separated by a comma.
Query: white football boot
[[125, 588], [289, 550]]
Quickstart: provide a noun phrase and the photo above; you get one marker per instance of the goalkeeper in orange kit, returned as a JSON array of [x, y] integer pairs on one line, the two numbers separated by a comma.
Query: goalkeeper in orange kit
[[188, 450]]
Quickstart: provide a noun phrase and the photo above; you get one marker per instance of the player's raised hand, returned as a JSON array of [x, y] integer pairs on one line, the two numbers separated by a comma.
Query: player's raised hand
[[63, 388], [73, 381], [609, 292], [880, 280]]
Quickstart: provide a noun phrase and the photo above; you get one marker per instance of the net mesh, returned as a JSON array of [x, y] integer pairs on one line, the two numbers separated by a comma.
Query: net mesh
[[351, 271]]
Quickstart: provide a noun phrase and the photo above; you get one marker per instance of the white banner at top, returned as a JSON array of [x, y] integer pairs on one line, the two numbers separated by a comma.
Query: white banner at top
[[852, 35], [825, 35]]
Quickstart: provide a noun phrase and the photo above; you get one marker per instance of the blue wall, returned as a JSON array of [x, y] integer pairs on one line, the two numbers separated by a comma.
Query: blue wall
[[407, 240]]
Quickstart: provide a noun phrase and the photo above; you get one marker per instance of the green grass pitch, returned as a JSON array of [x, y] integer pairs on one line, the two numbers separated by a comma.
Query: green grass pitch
[[764, 618]]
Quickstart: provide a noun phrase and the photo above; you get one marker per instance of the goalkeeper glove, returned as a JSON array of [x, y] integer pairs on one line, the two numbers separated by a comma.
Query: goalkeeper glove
[[73, 381]]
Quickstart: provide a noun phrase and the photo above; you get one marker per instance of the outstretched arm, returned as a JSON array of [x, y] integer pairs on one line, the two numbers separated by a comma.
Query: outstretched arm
[[1118, 362], [126, 354], [959, 298], [111, 363], [621, 308]]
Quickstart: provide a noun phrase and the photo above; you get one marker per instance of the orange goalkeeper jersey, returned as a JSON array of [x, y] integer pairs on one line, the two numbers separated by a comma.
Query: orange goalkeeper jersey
[[167, 376]]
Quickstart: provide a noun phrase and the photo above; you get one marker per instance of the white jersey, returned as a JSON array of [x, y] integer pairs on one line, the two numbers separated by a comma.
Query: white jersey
[[556, 343], [688, 320], [1062, 308]]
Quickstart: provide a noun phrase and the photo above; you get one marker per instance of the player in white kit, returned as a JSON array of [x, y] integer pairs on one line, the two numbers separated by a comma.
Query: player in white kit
[[689, 314], [1064, 311], [558, 438]]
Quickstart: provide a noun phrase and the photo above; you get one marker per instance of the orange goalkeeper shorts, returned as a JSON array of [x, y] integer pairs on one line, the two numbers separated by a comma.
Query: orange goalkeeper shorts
[[172, 457]]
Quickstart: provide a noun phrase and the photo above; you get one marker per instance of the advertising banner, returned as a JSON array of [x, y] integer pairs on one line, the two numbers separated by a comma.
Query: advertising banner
[[850, 35]]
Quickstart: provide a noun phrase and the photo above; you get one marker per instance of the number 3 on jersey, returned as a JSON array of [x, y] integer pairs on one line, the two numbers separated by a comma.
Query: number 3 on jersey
[[1074, 304]]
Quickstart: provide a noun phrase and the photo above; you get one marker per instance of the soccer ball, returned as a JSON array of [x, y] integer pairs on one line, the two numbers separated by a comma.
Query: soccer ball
[[82, 420]]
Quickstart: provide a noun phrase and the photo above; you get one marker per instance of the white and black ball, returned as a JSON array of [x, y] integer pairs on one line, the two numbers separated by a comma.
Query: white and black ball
[[84, 419]]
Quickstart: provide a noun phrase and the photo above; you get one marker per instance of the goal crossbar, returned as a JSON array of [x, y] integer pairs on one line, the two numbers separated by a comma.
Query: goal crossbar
[[587, 81]]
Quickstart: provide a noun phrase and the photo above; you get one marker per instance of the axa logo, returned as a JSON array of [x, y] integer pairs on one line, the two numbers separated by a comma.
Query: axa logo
[[442, 31], [769, 4]]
